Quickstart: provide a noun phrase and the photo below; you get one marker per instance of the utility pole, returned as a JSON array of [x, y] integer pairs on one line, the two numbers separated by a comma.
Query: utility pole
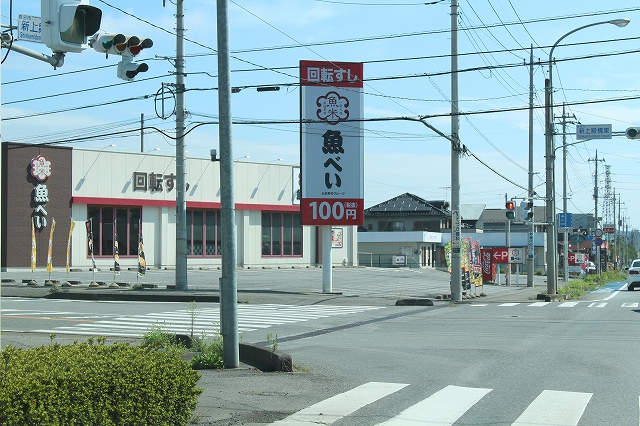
[[596, 220], [228, 281], [615, 227], [181, 173], [565, 235], [456, 222], [142, 132], [530, 245]]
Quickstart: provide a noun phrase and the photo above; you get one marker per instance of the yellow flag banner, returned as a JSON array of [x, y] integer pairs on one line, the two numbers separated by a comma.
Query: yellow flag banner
[[142, 261], [73, 224], [50, 249], [33, 245]]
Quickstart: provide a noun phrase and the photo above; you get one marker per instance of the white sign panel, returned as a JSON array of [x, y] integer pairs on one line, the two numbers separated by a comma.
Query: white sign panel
[[593, 131], [332, 149], [29, 28]]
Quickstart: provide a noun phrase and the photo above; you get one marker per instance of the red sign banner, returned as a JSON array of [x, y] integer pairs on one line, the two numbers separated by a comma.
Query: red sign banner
[[486, 264]]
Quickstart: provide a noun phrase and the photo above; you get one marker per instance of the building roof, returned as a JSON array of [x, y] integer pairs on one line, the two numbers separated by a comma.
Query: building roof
[[472, 211], [409, 204]]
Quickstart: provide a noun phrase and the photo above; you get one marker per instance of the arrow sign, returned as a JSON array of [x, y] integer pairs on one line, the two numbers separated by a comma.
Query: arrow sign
[[500, 255]]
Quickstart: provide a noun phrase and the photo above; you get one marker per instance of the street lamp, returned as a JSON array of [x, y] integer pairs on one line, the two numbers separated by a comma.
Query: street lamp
[[552, 235]]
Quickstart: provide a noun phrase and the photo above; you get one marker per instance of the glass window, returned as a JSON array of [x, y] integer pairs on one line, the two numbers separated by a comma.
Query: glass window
[[127, 221], [281, 234], [203, 234]]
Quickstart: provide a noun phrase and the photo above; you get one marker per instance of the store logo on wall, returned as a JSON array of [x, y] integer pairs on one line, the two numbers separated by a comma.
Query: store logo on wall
[[152, 182], [41, 170]]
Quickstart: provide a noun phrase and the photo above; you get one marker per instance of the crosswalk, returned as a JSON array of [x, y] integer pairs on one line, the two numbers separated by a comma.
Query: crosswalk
[[442, 408], [250, 318], [570, 304]]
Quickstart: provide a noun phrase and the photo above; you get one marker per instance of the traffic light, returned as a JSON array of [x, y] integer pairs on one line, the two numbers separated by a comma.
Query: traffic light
[[106, 42], [526, 210], [66, 24], [126, 46], [632, 133], [511, 210], [128, 69]]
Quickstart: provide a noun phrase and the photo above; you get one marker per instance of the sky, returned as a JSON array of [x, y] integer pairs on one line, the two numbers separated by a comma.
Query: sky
[[406, 50]]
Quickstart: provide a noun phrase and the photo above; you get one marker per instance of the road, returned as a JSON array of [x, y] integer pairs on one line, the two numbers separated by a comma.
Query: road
[[488, 361]]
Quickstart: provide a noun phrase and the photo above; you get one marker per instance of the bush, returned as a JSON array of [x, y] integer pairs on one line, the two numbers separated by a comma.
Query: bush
[[95, 384], [579, 287], [210, 355]]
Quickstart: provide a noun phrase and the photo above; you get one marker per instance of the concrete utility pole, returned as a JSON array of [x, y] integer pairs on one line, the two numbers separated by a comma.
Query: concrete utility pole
[[228, 282], [142, 132], [565, 235], [530, 245], [595, 219], [181, 173], [456, 222]]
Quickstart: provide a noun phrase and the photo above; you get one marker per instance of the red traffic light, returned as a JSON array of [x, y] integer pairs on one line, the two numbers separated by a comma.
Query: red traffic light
[[510, 205]]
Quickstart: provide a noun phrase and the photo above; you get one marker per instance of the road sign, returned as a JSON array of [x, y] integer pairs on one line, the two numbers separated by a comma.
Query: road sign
[[593, 131], [30, 28], [565, 229], [565, 220], [598, 232], [598, 241], [608, 228]]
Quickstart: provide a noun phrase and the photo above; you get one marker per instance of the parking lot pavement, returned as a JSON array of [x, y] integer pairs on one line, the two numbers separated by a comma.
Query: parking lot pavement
[[350, 285]]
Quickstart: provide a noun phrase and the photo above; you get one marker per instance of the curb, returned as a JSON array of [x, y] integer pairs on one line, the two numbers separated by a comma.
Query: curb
[[264, 359], [130, 296]]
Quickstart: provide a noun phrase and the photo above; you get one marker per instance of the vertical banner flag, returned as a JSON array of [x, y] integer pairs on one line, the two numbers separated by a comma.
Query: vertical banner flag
[[142, 263], [33, 245], [332, 143], [88, 224], [73, 224], [50, 249], [116, 250]]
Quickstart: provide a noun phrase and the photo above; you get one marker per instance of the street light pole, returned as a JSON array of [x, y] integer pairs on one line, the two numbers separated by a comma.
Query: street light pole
[[552, 234]]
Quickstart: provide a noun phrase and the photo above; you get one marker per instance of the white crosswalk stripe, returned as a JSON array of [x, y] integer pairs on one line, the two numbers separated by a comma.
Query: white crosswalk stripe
[[443, 408], [570, 304], [335, 408], [250, 318], [555, 408]]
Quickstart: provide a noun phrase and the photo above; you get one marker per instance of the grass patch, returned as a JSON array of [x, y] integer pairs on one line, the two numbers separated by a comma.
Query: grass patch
[[579, 287]]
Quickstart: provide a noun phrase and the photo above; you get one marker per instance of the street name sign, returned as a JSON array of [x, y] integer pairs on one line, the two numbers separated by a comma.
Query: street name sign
[[593, 131]]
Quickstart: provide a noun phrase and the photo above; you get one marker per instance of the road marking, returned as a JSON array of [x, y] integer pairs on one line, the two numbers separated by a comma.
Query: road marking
[[568, 304], [508, 304], [334, 408], [443, 408], [630, 305], [539, 304], [479, 304], [250, 318], [555, 408], [597, 305]]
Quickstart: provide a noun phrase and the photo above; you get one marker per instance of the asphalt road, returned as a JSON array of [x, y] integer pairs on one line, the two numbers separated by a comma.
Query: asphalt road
[[498, 360]]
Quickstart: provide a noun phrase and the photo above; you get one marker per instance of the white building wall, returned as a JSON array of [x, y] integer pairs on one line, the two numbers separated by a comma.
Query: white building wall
[[107, 178]]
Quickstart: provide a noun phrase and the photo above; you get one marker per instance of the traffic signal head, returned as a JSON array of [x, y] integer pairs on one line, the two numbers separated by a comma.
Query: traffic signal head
[[66, 24], [511, 210], [106, 42], [128, 69], [526, 210], [632, 133]]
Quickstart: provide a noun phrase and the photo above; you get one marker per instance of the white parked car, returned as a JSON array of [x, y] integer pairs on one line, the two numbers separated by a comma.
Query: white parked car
[[633, 275]]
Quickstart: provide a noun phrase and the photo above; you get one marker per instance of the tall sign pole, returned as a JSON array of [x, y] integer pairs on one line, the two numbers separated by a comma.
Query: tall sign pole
[[331, 150]]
